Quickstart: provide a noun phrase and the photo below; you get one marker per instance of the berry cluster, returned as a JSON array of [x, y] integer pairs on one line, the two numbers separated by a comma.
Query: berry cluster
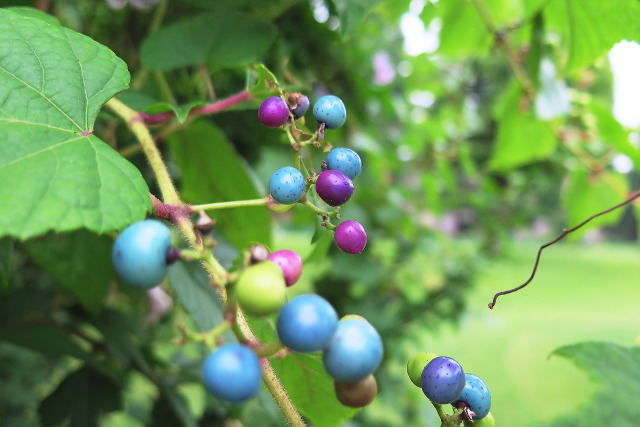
[[334, 184], [443, 381]]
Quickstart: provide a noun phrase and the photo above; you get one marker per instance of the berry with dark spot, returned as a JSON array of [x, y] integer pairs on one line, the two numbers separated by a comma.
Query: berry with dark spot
[[334, 187], [350, 237], [442, 380], [286, 185], [273, 112], [476, 395], [355, 351], [232, 373], [330, 110], [140, 253], [346, 161], [303, 106], [358, 394], [290, 263], [307, 323]]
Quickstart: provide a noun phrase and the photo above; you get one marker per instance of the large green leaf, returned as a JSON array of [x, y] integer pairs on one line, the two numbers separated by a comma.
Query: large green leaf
[[224, 38], [617, 370], [586, 195], [46, 339], [80, 399], [352, 13], [211, 171], [80, 261], [591, 27], [55, 174]]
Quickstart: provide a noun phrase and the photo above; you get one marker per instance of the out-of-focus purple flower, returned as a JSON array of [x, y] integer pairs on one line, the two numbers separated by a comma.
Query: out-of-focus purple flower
[[138, 4], [385, 72], [159, 304]]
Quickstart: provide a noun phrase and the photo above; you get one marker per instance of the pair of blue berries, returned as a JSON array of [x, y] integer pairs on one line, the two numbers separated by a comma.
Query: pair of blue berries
[[329, 110]]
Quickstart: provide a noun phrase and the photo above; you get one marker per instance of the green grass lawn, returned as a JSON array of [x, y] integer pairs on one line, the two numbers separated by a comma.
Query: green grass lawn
[[580, 293]]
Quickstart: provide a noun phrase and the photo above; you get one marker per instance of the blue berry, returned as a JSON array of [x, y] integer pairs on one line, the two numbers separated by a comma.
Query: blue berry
[[286, 185], [476, 395], [354, 352], [232, 373], [330, 110], [140, 253], [307, 323], [442, 380], [346, 161]]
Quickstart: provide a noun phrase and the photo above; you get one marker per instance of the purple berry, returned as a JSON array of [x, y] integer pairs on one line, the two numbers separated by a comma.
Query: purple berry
[[290, 263], [351, 237], [273, 112], [334, 187], [442, 380], [303, 106]]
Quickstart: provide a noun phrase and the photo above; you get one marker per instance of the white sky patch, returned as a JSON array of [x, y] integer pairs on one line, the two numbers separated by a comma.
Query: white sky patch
[[622, 163], [417, 38], [625, 64]]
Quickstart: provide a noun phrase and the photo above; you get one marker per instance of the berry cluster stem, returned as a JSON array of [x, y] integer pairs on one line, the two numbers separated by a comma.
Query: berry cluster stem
[[227, 205], [214, 268]]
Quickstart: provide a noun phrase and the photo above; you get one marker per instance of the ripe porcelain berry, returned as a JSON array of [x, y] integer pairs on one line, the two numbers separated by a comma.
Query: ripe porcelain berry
[[303, 106], [232, 373], [286, 185], [442, 380], [358, 394], [334, 187], [290, 263], [330, 110], [346, 161], [261, 289], [140, 253], [307, 323], [273, 112], [476, 395], [355, 351], [416, 365], [350, 237]]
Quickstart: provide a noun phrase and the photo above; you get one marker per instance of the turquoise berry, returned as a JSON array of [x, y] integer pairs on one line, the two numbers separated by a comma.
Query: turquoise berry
[[476, 395], [232, 373], [330, 110], [307, 323], [140, 253], [286, 185], [346, 161]]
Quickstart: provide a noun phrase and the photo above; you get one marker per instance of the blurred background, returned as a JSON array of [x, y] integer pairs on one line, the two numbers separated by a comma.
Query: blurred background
[[485, 127]]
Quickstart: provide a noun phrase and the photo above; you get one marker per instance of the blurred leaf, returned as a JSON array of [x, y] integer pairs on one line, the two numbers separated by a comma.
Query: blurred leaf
[[521, 138], [23, 303], [321, 246], [171, 409], [536, 44], [311, 389], [6, 249], [612, 132], [352, 13], [198, 298], [31, 12], [46, 339], [55, 174], [81, 399], [617, 370], [121, 334], [224, 38], [80, 261], [211, 171], [266, 84], [463, 32], [586, 195]]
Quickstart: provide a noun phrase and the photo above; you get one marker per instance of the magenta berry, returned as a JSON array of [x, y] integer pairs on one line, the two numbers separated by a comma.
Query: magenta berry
[[273, 112], [351, 237], [290, 263], [334, 187]]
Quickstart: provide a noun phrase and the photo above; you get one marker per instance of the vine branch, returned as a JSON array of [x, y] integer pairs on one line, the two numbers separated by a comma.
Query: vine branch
[[630, 199]]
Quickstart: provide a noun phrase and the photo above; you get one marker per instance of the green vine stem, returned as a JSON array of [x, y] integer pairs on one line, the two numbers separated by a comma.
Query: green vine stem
[[228, 205], [268, 350], [218, 274]]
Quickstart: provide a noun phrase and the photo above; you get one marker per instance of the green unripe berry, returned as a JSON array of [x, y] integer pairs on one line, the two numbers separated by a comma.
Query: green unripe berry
[[416, 365], [487, 421], [261, 289]]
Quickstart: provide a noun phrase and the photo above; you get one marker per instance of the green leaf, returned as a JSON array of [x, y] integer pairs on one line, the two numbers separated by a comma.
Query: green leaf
[[592, 27], [586, 195], [224, 39], [121, 335], [211, 171], [46, 339], [140, 101], [80, 261], [171, 406], [80, 399], [463, 32], [617, 370], [192, 287], [521, 138], [612, 132], [23, 303], [311, 389], [6, 249], [266, 84], [55, 175], [352, 13], [34, 13], [536, 45], [321, 246]]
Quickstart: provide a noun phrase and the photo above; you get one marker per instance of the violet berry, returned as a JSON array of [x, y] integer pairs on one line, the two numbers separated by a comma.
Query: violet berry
[[273, 112], [303, 106], [290, 263], [350, 237], [334, 187]]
